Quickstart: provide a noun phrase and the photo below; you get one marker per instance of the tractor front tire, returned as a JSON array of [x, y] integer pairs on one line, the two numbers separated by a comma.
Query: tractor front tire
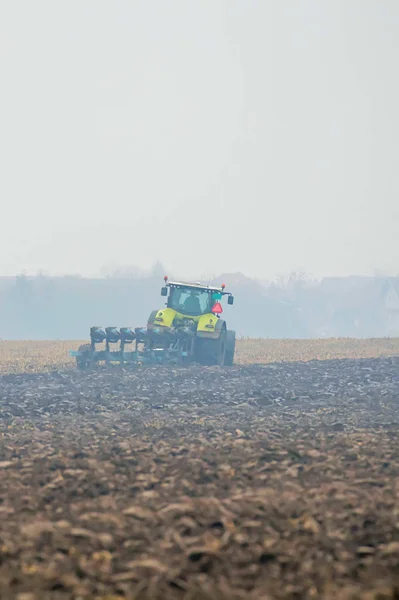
[[230, 348], [211, 352]]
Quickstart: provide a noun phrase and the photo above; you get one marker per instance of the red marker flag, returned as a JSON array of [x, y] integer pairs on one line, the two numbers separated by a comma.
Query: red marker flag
[[217, 309]]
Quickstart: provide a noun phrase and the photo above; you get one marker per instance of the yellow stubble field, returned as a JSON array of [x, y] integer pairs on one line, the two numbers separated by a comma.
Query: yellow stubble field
[[37, 356]]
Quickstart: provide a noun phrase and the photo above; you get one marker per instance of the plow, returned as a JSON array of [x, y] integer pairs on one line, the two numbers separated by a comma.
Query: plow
[[190, 329]]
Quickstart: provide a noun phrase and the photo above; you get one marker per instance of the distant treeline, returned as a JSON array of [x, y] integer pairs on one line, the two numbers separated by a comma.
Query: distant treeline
[[44, 307]]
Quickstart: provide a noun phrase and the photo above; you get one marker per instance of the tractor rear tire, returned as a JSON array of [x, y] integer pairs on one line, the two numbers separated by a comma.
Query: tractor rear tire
[[82, 362], [211, 352], [230, 348]]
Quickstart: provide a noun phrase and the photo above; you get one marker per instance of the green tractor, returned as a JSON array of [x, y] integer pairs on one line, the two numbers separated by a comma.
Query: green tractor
[[188, 330]]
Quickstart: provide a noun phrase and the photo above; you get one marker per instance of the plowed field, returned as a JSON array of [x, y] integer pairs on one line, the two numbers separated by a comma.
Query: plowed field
[[256, 481]]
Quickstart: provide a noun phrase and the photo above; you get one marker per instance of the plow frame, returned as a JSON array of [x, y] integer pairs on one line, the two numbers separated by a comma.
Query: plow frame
[[146, 351]]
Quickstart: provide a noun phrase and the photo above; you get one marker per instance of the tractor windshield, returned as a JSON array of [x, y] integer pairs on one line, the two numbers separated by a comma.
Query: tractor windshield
[[190, 301]]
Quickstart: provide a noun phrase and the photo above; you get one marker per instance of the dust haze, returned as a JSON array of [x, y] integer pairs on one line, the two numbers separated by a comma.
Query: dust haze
[[224, 136], [150, 452]]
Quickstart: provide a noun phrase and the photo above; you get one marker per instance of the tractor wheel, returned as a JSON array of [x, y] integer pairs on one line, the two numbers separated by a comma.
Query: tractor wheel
[[230, 348], [82, 362], [211, 352]]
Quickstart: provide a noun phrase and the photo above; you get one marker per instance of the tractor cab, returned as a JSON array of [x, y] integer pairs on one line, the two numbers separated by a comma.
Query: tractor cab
[[194, 299]]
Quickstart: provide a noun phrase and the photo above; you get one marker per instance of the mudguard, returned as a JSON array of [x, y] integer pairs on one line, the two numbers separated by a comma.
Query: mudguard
[[162, 318], [210, 326]]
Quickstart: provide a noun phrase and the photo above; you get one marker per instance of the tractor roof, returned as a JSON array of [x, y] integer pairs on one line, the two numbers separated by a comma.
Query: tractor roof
[[197, 286]]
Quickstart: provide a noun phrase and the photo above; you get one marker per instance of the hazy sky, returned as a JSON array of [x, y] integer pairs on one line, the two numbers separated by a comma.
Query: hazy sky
[[215, 135]]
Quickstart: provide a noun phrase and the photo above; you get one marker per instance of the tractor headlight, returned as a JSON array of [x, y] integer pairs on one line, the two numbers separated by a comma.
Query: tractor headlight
[[97, 335]]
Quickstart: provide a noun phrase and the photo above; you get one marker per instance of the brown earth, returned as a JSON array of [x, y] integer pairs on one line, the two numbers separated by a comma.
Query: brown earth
[[257, 481]]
